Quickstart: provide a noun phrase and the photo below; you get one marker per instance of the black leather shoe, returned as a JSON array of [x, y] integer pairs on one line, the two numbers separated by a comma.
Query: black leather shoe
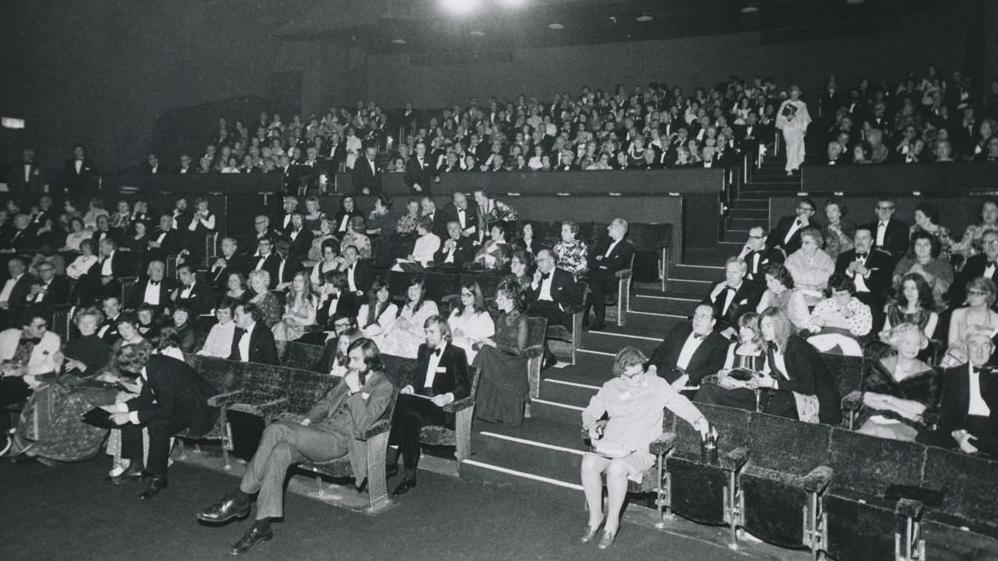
[[403, 488], [132, 473], [155, 485], [223, 511], [362, 487], [253, 537]]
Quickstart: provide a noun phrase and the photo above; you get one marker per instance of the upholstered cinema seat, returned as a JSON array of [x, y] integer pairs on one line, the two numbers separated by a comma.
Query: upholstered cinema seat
[[846, 370], [859, 521], [706, 492], [303, 355], [783, 480], [227, 377], [965, 526]]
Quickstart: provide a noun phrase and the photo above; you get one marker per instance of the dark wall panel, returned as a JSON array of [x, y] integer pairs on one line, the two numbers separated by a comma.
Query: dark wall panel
[[901, 178]]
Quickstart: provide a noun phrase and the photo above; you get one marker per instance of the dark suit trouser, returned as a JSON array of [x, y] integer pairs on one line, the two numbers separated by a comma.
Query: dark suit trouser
[[412, 413], [551, 311], [601, 283], [284, 444], [876, 304], [13, 390], [160, 431]]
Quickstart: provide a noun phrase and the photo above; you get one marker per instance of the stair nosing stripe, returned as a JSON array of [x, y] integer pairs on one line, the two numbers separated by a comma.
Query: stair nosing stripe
[[652, 314], [718, 267], [590, 351], [634, 336], [523, 474], [668, 298], [531, 442], [573, 384], [557, 404]]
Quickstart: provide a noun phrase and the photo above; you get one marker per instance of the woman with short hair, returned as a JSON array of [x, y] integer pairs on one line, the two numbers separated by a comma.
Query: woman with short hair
[[977, 314]]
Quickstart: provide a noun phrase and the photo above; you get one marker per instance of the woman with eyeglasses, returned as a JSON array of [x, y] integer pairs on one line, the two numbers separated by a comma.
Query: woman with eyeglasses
[[977, 314], [469, 321]]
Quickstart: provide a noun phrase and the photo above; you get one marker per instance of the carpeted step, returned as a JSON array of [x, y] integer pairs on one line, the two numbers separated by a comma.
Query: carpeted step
[[556, 411], [690, 286], [689, 271], [539, 448], [612, 338], [740, 236], [673, 305], [655, 323]]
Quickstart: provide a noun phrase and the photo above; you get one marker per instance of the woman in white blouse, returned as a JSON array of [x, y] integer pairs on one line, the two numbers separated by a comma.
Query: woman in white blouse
[[82, 264], [76, 235], [378, 314], [219, 341], [470, 322], [405, 336]]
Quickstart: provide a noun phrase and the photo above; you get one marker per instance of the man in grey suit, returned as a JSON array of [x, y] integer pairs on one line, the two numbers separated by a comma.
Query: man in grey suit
[[330, 430]]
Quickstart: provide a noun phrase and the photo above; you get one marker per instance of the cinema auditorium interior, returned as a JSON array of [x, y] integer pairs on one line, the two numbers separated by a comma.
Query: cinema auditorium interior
[[499, 279]]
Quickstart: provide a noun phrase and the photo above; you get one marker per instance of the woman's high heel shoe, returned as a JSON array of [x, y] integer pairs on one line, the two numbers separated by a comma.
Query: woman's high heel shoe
[[607, 539], [591, 532]]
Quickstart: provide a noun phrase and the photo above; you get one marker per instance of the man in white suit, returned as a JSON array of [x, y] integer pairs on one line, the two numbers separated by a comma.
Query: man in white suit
[[27, 352]]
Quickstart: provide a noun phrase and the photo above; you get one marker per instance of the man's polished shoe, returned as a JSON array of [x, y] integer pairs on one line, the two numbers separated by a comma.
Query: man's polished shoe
[[133, 472], [155, 485], [253, 537], [223, 511], [403, 488]]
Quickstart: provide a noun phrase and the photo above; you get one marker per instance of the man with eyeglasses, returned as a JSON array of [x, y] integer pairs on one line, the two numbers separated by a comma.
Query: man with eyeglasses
[[266, 260], [889, 235], [49, 290], [27, 353], [757, 255], [262, 230], [342, 322], [984, 265], [786, 236], [553, 292]]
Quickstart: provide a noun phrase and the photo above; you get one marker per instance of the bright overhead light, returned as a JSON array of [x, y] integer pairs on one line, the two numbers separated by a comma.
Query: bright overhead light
[[460, 7], [477, 33], [556, 25], [399, 41], [512, 3], [750, 8], [645, 18], [855, 2]]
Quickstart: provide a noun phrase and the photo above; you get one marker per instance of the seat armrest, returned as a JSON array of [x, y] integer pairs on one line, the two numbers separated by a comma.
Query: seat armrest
[[736, 458], [379, 427], [223, 398], [458, 405], [268, 407], [535, 351], [910, 508], [817, 481], [853, 401], [663, 444], [623, 274]]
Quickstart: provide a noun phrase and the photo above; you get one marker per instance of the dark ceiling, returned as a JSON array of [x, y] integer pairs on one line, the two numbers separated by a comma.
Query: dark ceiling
[[422, 26]]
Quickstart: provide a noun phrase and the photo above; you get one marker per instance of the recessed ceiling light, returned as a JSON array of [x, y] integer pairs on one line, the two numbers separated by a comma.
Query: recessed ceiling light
[[399, 41], [645, 18], [477, 33], [556, 25], [750, 9]]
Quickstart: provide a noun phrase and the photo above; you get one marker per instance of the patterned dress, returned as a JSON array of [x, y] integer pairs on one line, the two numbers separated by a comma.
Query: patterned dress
[[572, 257]]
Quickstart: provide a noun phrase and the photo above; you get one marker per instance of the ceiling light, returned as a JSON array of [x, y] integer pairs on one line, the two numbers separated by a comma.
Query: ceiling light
[[512, 3], [460, 7], [645, 18], [750, 8], [398, 41], [855, 2], [556, 25], [477, 33]]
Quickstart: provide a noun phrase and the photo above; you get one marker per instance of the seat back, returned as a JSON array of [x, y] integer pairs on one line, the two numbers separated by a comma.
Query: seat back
[[867, 465], [788, 445], [305, 388], [847, 371], [536, 331], [224, 375], [400, 371], [303, 355], [732, 429], [968, 484]]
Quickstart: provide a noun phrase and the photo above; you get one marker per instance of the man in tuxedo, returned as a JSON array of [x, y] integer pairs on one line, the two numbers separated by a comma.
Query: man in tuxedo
[[165, 241], [15, 290], [225, 264], [750, 136], [786, 235], [438, 220], [359, 272], [80, 173], [889, 234], [191, 294], [112, 265], [26, 176], [253, 341], [26, 351], [836, 154], [174, 397], [870, 270], [341, 323], [604, 265], [464, 212], [366, 175], [757, 255], [151, 167], [108, 331], [290, 208], [49, 290], [333, 428], [300, 237], [733, 297], [154, 290], [968, 407], [186, 166], [553, 292], [265, 259], [21, 238], [440, 378], [984, 264], [691, 351], [419, 171], [456, 249]]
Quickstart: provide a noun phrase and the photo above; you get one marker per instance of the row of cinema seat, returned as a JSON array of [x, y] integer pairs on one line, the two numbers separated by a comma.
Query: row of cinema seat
[[833, 491]]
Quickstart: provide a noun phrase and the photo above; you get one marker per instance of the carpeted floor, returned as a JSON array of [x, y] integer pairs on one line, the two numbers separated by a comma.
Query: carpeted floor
[[69, 512]]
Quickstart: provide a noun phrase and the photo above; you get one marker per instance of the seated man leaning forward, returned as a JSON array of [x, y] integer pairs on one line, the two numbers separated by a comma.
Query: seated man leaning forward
[[330, 430]]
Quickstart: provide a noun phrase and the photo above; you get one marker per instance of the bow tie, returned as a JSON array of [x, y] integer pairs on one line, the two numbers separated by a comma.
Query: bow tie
[[861, 255], [333, 297], [436, 351], [545, 276], [239, 332], [154, 283], [697, 337], [31, 340]]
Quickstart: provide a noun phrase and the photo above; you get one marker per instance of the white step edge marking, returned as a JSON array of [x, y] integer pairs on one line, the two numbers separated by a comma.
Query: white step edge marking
[[651, 297], [642, 337], [660, 314], [695, 280], [531, 443], [601, 353], [573, 384], [556, 404], [523, 474], [718, 267]]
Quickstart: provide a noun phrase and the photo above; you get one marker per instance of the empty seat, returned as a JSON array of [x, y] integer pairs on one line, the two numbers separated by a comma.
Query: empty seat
[[965, 525]]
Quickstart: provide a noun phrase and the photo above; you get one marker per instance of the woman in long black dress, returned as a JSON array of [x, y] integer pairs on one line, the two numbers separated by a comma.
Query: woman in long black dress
[[502, 362]]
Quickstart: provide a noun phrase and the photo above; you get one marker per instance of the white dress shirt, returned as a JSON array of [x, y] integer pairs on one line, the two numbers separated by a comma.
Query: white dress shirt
[[976, 405], [797, 225], [106, 268], [152, 293], [244, 343], [693, 342], [433, 363], [8, 287], [881, 233], [545, 287]]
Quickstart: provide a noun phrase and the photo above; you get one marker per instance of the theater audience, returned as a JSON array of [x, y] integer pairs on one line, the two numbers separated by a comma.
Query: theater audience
[[331, 429], [897, 390], [502, 362], [469, 321], [334, 300], [405, 335], [622, 420], [424, 251]]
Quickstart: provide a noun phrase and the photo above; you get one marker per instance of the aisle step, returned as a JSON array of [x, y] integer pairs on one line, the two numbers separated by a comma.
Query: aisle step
[[673, 305], [692, 286], [737, 236], [556, 411], [688, 271], [612, 338], [746, 202], [755, 214]]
